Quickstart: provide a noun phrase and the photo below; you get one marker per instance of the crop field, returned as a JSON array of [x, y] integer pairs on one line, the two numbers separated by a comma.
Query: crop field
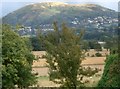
[[40, 67]]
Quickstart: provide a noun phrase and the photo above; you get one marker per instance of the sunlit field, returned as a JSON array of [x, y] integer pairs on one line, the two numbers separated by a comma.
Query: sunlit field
[[40, 67]]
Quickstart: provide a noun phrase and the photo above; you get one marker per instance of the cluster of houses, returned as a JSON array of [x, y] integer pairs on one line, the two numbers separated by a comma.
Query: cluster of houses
[[97, 22]]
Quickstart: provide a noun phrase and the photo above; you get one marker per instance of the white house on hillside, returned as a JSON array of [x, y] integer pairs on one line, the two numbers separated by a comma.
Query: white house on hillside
[[102, 44]]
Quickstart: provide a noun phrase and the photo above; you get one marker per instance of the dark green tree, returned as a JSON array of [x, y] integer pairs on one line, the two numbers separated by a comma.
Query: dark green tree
[[85, 45], [111, 75], [97, 47], [64, 56], [16, 60], [36, 44], [91, 44]]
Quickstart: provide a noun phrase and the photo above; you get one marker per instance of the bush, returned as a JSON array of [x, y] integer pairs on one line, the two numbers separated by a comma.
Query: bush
[[98, 55], [93, 55], [88, 54], [43, 56]]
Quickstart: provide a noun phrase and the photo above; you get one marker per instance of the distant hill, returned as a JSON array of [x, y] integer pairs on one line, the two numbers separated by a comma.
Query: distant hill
[[42, 15], [45, 13]]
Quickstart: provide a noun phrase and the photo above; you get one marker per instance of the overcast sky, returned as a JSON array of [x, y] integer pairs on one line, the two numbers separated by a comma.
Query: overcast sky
[[11, 5]]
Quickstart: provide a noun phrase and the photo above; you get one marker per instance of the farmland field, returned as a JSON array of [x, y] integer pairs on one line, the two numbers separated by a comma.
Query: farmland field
[[40, 66]]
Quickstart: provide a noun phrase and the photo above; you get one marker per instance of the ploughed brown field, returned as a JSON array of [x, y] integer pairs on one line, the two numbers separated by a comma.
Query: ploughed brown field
[[40, 67]]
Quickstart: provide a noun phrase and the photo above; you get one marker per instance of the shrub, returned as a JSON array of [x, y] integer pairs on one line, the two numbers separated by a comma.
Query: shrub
[[43, 56], [93, 55], [88, 54], [98, 55]]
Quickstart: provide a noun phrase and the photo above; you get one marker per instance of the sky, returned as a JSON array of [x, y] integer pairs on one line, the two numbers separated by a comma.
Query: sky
[[7, 6]]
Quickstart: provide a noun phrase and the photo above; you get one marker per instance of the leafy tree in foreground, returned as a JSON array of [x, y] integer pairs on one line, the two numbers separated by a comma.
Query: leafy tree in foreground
[[111, 75], [16, 61], [64, 56]]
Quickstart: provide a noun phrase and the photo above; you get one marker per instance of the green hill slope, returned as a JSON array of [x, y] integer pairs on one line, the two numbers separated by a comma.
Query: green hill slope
[[45, 13]]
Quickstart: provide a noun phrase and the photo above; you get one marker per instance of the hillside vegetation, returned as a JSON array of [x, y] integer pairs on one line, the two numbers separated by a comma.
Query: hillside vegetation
[[41, 14]]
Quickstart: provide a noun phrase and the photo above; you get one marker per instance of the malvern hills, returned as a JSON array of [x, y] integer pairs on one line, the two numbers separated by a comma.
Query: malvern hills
[[42, 15], [45, 13]]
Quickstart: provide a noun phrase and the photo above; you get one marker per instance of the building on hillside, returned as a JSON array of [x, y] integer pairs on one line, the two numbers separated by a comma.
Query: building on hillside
[[102, 44]]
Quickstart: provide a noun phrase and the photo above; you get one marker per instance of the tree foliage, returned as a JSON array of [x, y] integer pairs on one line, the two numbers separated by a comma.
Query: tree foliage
[[36, 44], [16, 60], [64, 56], [111, 75]]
